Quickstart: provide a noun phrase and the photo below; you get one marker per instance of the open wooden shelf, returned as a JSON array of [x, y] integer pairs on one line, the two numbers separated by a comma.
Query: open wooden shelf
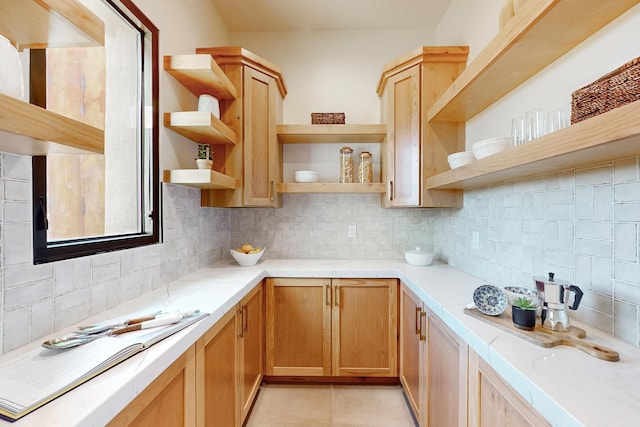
[[200, 74], [539, 33], [200, 178], [43, 132], [50, 23], [609, 136], [310, 134], [330, 187], [200, 126]]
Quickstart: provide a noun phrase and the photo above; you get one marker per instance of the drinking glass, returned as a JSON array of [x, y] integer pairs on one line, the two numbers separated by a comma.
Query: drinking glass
[[558, 119], [535, 124], [518, 130]]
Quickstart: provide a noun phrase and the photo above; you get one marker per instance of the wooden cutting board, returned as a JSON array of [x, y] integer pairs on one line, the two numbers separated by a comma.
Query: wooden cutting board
[[546, 338]]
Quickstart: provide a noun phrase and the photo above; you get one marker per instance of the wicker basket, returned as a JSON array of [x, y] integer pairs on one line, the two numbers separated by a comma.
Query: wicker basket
[[613, 90], [327, 118]]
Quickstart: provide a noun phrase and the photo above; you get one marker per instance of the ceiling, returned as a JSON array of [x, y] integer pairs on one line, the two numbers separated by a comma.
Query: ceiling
[[329, 15]]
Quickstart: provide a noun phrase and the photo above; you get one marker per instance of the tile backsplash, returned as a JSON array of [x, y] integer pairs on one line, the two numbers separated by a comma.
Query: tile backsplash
[[40, 299], [583, 224]]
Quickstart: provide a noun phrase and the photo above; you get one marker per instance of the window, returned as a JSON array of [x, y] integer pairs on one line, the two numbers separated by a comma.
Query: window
[[86, 204]]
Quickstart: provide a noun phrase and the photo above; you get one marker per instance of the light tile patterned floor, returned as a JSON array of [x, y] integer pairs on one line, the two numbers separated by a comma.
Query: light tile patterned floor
[[330, 405]]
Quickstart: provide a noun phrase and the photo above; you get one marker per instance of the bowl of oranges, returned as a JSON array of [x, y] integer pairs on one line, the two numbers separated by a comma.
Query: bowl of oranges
[[247, 255]]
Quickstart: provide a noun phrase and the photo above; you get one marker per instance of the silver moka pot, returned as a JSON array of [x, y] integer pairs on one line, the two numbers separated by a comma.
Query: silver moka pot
[[554, 295]]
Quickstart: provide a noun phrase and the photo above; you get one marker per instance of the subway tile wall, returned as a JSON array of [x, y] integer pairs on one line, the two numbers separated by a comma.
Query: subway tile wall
[[582, 224], [316, 226], [37, 300]]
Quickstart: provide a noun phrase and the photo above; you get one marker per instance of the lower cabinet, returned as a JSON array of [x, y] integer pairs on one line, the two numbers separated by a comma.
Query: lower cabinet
[[168, 401], [493, 402], [331, 327], [433, 365], [229, 361], [215, 382]]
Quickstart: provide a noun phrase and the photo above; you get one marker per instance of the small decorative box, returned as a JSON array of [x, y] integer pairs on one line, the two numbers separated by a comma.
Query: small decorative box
[[327, 118]]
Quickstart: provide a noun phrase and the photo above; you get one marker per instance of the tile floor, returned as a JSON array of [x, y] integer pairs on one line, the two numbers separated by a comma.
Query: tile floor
[[330, 405]]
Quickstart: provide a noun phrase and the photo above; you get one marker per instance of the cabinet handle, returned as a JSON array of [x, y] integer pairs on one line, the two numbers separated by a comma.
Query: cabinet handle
[[390, 190], [328, 294], [245, 318], [337, 298], [241, 323], [418, 324], [273, 191], [423, 318]]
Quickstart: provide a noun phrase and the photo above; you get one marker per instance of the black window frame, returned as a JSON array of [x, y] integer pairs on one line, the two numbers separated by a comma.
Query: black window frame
[[44, 251]]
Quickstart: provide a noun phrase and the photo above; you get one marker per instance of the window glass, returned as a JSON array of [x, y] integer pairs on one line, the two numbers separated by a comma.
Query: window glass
[[93, 202]]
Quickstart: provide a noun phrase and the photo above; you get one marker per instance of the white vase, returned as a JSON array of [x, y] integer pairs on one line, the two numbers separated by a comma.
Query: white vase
[[204, 163]]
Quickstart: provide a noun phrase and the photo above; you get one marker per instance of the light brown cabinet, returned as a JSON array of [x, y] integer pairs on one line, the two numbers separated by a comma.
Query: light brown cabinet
[[492, 402], [229, 361], [255, 160], [433, 365], [415, 149], [167, 402], [331, 327]]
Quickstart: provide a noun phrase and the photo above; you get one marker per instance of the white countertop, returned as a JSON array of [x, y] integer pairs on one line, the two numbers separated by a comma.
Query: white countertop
[[566, 385]]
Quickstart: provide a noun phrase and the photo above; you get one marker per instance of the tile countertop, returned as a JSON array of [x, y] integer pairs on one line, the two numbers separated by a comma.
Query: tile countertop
[[566, 385]]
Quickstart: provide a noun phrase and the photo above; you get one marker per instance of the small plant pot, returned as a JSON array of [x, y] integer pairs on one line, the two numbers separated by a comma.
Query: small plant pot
[[204, 163], [523, 319]]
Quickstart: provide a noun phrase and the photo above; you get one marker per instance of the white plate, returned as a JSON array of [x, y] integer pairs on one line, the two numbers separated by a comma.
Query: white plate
[[490, 300]]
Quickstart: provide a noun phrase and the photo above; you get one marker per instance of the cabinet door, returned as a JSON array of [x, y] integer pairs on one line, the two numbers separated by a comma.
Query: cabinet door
[[446, 375], [167, 402], [216, 357], [251, 319], [298, 327], [261, 164], [365, 327], [492, 402], [402, 111], [412, 351]]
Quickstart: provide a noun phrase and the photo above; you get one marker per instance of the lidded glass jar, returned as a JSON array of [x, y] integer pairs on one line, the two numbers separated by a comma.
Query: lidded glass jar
[[346, 165], [365, 174]]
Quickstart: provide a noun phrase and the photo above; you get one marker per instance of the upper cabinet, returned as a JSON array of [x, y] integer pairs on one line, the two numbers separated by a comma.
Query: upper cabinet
[[255, 160], [39, 24], [539, 33], [415, 149]]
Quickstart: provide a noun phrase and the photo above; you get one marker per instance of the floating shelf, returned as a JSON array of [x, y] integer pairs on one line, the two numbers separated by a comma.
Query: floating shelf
[[200, 74], [41, 132], [609, 136], [310, 134], [200, 126], [200, 178], [538, 34], [330, 187], [50, 23]]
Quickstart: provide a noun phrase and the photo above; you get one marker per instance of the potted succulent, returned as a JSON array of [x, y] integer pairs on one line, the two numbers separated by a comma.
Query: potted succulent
[[523, 313], [204, 159]]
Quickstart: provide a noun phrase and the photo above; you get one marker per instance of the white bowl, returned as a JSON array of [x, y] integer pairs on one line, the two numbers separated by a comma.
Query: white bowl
[[488, 147], [246, 260], [418, 257], [515, 292], [306, 176], [460, 159]]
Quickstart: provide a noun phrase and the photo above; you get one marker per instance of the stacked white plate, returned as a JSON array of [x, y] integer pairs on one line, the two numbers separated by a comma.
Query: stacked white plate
[[488, 147], [306, 176], [460, 159]]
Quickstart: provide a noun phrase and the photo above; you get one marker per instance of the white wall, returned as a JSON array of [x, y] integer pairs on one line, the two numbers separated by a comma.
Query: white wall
[[184, 26], [584, 223]]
